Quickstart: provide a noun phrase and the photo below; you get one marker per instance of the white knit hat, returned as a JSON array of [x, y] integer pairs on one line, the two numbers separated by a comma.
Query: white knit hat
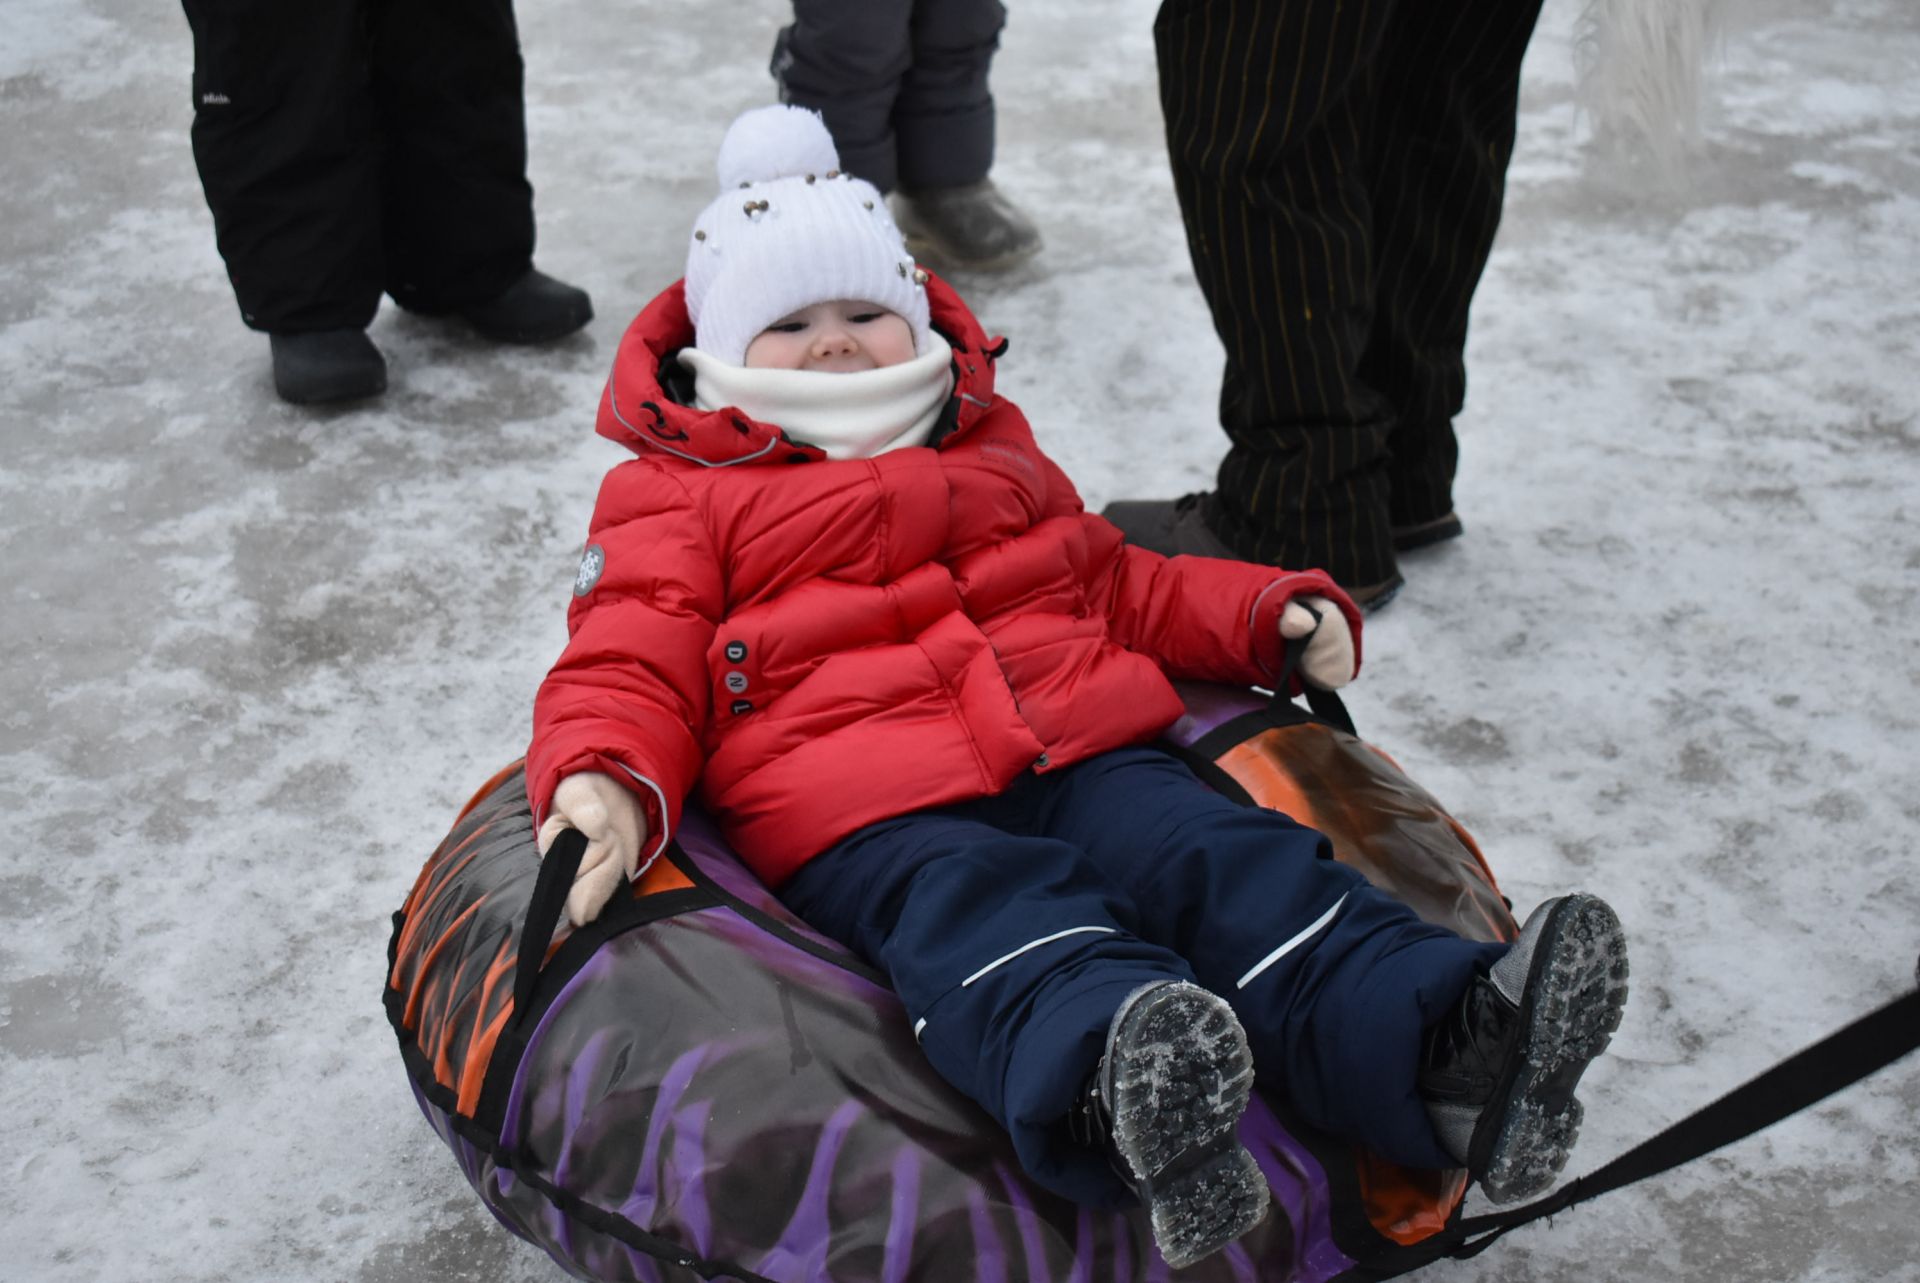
[[789, 230]]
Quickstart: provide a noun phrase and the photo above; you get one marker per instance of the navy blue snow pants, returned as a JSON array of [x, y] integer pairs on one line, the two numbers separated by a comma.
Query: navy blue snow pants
[[1012, 927]]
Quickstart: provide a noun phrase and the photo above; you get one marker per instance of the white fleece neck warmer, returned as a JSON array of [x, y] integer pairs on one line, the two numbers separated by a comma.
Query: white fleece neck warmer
[[849, 416]]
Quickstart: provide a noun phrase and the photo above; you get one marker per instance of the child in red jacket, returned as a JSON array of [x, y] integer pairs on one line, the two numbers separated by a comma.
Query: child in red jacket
[[842, 593]]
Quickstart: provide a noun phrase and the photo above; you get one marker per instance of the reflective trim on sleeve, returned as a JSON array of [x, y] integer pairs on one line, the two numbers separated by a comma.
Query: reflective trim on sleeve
[[1253, 615], [661, 797]]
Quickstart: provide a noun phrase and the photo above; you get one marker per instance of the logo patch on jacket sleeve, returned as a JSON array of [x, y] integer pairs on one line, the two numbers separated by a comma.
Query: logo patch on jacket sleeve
[[592, 562]]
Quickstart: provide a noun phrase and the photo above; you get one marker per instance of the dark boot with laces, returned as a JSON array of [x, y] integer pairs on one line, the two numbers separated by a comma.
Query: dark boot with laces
[[972, 227], [1165, 1105], [1498, 1073]]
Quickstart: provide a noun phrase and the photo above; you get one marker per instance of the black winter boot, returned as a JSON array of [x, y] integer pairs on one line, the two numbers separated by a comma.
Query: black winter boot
[[1165, 1105], [326, 365], [534, 309], [1172, 527], [1424, 534], [1498, 1072]]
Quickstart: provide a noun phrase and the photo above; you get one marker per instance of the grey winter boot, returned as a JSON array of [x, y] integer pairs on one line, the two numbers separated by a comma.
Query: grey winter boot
[[1165, 1105], [972, 227], [1498, 1072]]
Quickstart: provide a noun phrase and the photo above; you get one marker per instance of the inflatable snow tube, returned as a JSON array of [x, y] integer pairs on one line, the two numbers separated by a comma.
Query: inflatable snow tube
[[699, 1086]]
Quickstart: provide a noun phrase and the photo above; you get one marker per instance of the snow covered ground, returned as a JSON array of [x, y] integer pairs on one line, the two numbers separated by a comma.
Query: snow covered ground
[[252, 657]]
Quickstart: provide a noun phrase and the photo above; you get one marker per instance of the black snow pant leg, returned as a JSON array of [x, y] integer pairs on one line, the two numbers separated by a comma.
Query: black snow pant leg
[[456, 205], [1437, 168], [845, 59], [944, 117], [285, 140], [1267, 109]]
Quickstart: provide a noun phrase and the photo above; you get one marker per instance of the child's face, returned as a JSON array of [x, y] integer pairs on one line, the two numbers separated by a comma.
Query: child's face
[[839, 337]]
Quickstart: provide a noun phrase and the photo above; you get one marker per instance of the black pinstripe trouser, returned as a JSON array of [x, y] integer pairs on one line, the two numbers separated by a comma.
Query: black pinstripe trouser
[[1340, 165]]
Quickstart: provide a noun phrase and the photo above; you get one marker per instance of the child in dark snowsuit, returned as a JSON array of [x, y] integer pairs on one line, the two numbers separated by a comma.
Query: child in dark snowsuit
[[843, 594]]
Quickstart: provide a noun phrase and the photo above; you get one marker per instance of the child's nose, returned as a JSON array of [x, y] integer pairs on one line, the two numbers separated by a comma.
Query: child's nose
[[833, 340]]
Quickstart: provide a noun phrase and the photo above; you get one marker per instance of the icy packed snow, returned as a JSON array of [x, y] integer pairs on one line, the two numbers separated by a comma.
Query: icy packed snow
[[255, 656]]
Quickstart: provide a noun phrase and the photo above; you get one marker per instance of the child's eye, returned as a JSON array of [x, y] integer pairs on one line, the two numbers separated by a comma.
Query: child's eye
[[786, 327], [861, 318]]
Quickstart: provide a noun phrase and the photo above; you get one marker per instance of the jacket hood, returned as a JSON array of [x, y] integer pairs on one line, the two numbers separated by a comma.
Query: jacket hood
[[637, 411]]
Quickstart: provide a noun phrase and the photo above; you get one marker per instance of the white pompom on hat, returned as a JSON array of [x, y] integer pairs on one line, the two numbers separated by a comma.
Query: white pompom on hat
[[789, 230]]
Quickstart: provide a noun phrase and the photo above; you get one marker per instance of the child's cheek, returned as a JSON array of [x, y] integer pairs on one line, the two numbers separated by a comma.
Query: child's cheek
[[770, 351]]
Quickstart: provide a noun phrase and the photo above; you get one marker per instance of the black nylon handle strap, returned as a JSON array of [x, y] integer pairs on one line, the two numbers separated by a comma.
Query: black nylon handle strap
[[544, 907], [1864, 1047], [1329, 707], [1326, 705]]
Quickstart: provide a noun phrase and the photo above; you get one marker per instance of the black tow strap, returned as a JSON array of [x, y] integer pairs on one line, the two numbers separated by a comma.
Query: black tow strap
[[550, 888], [1864, 1047]]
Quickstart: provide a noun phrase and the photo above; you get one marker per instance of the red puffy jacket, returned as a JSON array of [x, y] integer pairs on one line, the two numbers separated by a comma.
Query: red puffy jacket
[[820, 645]]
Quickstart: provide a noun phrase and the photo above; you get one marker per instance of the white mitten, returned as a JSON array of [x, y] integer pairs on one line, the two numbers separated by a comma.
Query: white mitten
[[1328, 663], [611, 820]]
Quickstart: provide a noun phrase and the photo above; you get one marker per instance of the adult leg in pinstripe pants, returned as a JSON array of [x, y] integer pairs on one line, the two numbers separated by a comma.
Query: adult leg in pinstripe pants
[[1340, 166]]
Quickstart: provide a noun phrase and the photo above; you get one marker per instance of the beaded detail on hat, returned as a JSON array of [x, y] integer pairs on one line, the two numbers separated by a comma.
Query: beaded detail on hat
[[796, 241]]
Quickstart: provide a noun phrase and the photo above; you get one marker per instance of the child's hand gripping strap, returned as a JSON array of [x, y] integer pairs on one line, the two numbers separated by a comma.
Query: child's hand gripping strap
[[1325, 704], [549, 900]]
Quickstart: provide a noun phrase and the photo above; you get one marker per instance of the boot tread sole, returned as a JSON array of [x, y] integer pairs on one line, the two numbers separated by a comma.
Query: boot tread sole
[[1575, 998], [1179, 1076]]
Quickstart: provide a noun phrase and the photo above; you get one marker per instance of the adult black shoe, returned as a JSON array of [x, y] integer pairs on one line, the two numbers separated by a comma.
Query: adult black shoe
[[1423, 534], [326, 365], [1498, 1073], [972, 227], [1165, 1106], [1170, 527], [1176, 527], [534, 309]]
